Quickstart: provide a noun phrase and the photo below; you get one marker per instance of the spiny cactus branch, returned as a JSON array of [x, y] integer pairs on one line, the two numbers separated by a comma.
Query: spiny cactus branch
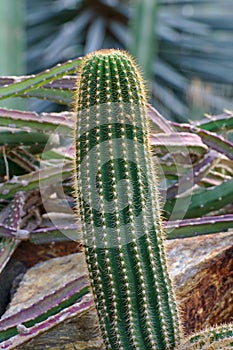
[[212, 140], [214, 338], [35, 81], [11, 223], [199, 226], [23, 333], [124, 238]]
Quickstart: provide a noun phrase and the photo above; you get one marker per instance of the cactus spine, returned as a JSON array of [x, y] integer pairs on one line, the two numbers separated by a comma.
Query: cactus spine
[[118, 202]]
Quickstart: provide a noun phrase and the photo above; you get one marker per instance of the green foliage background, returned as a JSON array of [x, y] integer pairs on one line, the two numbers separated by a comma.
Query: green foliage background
[[190, 51]]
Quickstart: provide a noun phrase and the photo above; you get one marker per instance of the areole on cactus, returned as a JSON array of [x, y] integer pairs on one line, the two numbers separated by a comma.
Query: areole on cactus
[[118, 201]]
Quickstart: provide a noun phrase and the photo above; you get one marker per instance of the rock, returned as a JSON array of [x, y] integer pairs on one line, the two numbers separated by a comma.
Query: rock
[[201, 268]]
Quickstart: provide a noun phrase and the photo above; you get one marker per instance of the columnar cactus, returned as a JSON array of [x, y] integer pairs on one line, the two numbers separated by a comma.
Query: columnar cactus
[[118, 201]]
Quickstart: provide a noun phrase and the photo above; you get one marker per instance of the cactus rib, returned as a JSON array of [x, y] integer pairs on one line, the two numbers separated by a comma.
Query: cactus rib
[[43, 177], [124, 247], [199, 226], [216, 123], [197, 173], [45, 122], [10, 225], [212, 140], [47, 306], [38, 80], [21, 333]]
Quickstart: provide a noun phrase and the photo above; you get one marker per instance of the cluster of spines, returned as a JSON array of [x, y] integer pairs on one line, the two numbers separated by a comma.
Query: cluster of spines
[[130, 282]]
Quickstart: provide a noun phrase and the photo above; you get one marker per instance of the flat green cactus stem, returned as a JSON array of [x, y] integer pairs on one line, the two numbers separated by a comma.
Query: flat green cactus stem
[[117, 198]]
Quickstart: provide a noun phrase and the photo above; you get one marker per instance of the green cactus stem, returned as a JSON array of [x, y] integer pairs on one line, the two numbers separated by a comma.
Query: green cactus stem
[[117, 198]]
